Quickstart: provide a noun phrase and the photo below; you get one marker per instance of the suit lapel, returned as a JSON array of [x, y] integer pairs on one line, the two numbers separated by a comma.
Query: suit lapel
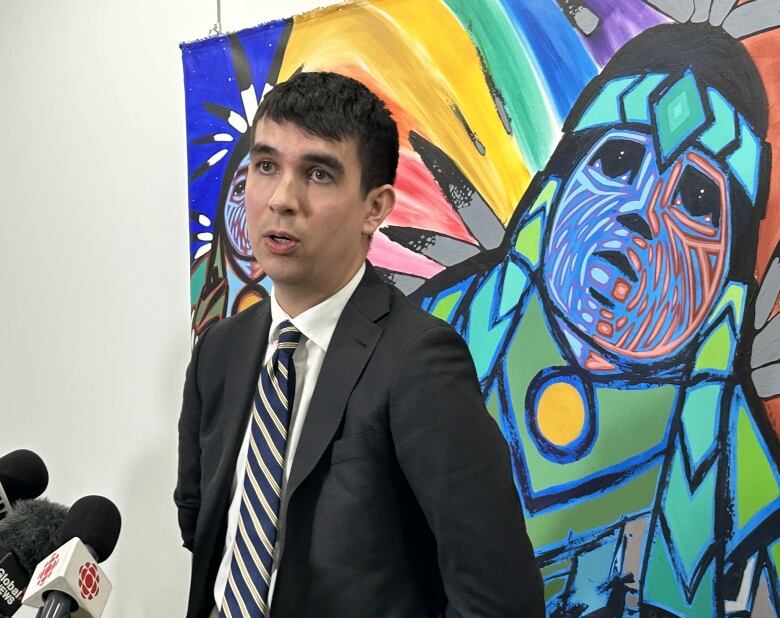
[[352, 344], [242, 376], [247, 347]]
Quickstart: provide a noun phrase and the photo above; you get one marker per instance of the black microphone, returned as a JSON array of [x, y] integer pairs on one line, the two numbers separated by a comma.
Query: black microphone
[[23, 476], [27, 535], [69, 578]]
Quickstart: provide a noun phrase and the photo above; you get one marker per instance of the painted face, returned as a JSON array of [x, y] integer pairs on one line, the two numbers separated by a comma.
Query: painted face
[[636, 257], [235, 224]]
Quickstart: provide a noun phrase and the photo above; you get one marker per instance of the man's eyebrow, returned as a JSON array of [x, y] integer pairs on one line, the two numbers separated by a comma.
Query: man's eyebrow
[[327, 160], [260, 148], [319, 158]]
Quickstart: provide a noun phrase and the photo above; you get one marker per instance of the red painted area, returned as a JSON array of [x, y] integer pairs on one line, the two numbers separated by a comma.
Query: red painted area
[[605, 328], [420, 203], [596, 362], [621, 289]]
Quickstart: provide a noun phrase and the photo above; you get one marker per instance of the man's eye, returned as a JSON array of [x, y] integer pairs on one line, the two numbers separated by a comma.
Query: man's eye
[[318, 175], [699, 195], [266, 167], [619, 158]]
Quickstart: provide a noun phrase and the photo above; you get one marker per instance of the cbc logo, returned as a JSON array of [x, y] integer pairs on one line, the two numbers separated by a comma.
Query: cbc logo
[[89, 581], [48, 568]]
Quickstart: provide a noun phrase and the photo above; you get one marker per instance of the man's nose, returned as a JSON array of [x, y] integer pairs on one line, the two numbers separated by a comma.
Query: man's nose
[[285, 198]]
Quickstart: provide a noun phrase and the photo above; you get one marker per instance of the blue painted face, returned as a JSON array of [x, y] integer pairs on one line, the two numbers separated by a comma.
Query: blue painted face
[[635, 257], [235, 223]]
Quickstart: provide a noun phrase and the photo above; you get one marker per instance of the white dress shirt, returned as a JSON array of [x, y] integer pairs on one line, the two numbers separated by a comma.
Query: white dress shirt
[[316, 325]]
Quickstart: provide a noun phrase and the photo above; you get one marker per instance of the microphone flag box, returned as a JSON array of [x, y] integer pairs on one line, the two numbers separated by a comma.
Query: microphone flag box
[[70, 569], [13, 580]]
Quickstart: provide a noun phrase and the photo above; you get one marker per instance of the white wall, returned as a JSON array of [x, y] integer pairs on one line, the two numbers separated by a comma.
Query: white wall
[[94, 303]]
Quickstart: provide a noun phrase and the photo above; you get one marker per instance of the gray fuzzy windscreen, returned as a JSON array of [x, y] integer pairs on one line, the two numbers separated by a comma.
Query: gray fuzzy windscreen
[[31, 530]]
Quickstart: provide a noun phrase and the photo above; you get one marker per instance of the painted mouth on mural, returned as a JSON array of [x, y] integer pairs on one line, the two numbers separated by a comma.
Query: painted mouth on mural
[[619, 261]]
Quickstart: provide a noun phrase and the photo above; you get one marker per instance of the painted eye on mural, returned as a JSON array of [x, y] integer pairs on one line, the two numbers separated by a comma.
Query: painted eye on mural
[[699, 195], [238, 187], [619, 159]]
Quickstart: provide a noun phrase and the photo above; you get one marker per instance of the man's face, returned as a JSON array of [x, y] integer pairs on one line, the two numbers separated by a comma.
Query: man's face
[[635, 256], [307, 217]]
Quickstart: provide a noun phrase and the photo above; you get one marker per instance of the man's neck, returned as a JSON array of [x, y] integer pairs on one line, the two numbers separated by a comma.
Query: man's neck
[[295, 300]]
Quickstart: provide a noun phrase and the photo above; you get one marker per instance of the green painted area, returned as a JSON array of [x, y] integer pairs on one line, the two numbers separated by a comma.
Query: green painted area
[[619, 415], [551, 528], [605, 109], [678, 114], [515, 283], [492, 405], [734, 296], [532, 349], [482, 337], [700, 420], [717, 352], [529, 239], [661, 587], [444, 306], [690, 515], [636, 106], [620, 411], [756, 477], [559, 567], [554, 587], [545, 198], [660, 582], [744, 160], [774, 553], [723, 130], [197, 279], [512, 69]]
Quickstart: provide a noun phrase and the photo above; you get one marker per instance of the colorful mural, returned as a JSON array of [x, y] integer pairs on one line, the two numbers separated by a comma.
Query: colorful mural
[[586, 192]]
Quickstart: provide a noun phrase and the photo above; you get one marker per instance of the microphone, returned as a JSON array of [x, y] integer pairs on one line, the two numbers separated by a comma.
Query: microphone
[[27, 535], [23, 476], [69, 578]]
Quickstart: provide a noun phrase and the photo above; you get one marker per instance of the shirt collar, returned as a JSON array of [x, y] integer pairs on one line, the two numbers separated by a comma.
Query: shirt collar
[[316, 323]]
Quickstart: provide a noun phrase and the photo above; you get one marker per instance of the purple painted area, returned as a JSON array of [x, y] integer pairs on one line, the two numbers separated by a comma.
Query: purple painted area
[[621, 20]]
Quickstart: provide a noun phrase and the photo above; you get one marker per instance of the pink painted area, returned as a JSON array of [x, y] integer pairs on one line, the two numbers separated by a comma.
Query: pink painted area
[[596, 362], [420, 203], [385, 253]]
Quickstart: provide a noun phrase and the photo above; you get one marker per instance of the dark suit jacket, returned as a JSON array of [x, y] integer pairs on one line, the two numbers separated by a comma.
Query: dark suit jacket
[[400, 501]]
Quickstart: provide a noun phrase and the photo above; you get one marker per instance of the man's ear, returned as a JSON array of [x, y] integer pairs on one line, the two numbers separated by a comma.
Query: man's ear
[[379, 203]]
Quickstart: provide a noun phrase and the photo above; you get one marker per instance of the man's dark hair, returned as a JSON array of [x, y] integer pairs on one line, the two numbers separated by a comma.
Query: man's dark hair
[[335, 107]]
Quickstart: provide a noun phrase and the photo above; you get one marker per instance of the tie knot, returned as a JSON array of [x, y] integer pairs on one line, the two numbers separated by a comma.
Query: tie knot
[[289, 336]]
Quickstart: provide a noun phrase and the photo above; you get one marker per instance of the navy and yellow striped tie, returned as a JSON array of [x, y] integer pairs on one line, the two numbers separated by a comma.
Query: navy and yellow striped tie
[[246, 594]]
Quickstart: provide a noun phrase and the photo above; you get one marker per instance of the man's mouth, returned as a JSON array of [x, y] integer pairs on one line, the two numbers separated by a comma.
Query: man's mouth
[[281, 237], [279, 242]]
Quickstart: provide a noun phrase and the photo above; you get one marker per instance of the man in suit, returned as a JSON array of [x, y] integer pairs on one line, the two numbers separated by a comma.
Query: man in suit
[[359, 475]]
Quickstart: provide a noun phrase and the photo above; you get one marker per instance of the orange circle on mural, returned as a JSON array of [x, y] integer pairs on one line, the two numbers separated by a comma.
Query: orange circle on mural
[[560, 414]]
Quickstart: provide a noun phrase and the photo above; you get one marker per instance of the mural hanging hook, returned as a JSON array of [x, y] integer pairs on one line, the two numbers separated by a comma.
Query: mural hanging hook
[[217, 27]]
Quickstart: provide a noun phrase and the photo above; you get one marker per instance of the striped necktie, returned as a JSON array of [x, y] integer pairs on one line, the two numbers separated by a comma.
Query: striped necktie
[[246, 593]]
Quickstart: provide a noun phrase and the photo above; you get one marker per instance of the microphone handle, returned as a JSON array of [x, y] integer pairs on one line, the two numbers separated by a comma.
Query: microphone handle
[[57, 605]]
